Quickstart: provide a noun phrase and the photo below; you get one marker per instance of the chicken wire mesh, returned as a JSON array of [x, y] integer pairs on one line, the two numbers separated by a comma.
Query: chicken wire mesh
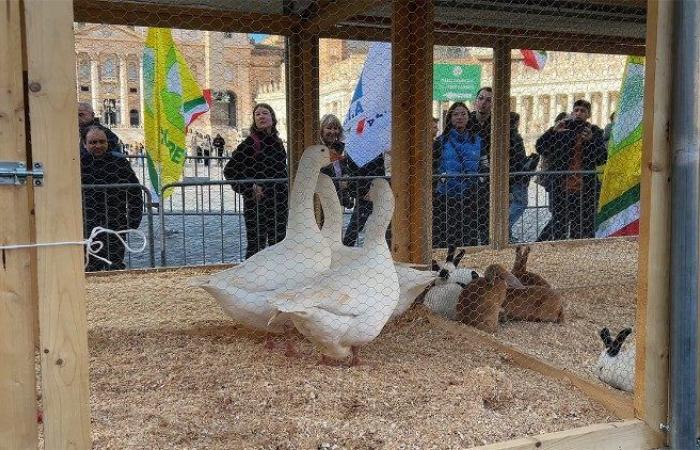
[[297, 170]]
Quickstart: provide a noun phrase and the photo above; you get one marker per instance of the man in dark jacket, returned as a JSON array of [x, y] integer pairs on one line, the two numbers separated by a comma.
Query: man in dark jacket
[[115, 208], [573, 145], [219, 144], [480, 123], [86, 118]]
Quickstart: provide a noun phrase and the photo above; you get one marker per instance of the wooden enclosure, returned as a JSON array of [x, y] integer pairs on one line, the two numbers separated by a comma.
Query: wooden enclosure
[[42, 295]]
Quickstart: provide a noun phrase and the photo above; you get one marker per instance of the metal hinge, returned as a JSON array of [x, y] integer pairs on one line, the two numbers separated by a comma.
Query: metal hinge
[[16, 173]]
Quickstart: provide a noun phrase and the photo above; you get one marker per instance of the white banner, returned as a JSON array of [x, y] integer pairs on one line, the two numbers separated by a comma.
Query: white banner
[[368, 121]]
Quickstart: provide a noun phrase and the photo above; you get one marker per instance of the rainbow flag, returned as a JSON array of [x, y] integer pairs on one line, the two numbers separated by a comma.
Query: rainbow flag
[[534, 58], [172, 101], [618, 210]]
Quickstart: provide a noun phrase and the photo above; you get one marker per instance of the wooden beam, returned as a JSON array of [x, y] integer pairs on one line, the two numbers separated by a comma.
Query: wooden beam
[[411, 141], [182, 17], [17, 375], [331, 13], [500, 147], [303, 93], [627, 435], [60, 272], [653, 304], [617, 403]]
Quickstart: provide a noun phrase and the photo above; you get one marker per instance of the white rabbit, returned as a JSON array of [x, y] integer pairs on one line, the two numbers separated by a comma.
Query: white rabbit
[[443, 296], [615, 364]]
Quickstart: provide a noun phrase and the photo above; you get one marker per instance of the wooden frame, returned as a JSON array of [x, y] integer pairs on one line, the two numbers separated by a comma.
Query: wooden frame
[[500, 147], [17, 306], [653, 312], [412, 81], [59, 270], [60, 290]]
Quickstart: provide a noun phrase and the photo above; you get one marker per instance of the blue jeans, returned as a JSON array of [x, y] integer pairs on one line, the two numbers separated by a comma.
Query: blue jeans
[[518, 203]]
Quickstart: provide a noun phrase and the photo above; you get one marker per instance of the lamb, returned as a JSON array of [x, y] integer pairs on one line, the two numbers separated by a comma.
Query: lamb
[[521, 272], [531, 303], [615, 365], [480, 302]]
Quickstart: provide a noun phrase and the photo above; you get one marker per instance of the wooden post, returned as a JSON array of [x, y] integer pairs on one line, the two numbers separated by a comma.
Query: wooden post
[[302, 85], [411, 148], [651, 389], [58, 212], [18, 428], [500, 147]]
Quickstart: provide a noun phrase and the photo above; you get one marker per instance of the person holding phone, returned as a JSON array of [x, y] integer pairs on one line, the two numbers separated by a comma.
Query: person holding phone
[[573, 146]]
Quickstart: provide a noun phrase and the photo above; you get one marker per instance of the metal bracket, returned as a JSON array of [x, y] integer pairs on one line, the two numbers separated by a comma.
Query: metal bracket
[[15, 173]]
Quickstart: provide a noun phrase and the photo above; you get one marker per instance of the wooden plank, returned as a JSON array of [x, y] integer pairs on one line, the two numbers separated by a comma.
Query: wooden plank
[[653, 303], [329, 14], [500, 146], [303, 91], [60, 276], [627, 435], [17, 376], [617, 403], [183, 17], [411, 153]]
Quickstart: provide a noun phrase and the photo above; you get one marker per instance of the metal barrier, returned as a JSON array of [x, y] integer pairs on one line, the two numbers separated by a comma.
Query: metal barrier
[[148, 206]]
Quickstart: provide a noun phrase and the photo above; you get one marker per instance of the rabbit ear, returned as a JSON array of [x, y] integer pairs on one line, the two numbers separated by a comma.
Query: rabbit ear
[[435, 266], [518, 250], [475, 275], [616, 346], [459, 257], [605, 336], [450, 253], [526, 251]]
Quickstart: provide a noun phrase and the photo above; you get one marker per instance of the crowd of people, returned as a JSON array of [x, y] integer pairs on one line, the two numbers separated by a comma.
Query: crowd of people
[[567, 155]]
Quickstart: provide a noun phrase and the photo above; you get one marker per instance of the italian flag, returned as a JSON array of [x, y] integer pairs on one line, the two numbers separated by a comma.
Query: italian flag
[[618, 210], [534, 58]]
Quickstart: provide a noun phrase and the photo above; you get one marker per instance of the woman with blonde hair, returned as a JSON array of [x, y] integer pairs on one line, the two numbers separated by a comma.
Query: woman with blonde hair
[[331, 135]]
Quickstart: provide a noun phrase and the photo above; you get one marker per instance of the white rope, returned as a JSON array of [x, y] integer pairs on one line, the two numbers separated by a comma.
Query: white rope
[[92, 246]]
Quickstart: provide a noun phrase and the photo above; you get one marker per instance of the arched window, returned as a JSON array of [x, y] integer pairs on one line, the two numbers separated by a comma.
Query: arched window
[[133, 71], [83, 67], [134, 119]]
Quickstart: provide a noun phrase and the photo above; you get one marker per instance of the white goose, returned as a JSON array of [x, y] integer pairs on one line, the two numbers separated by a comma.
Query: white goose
[[412, 282], [300, 257], [350, 304]]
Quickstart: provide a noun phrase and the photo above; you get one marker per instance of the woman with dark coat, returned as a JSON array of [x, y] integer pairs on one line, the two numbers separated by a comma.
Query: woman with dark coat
[[261, 156], [113, 208], [332, 137]]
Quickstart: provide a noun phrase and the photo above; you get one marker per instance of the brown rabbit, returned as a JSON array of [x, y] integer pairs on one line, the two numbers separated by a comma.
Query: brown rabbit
[[520, 269], [533, 303], [480, 303]]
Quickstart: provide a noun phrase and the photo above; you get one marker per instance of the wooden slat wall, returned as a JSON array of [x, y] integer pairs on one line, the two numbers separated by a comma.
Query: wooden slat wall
[[653, 312], [302, 91], [411, 154], [500, 146], [18, 428], [60, 272]]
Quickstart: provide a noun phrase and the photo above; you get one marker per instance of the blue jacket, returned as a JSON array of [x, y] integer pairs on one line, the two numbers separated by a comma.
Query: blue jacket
[[459, 155]]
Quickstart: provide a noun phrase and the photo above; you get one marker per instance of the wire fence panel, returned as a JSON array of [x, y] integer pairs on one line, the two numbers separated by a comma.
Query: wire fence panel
[[411, 184]]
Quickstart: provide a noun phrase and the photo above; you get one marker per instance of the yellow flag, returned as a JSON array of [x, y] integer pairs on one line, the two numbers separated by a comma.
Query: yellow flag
[[172, 101]]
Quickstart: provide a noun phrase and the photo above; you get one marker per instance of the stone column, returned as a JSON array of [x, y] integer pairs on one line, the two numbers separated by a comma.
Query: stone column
[[516, 105], [587, 96], [605, 104], [536, 112], [123, 92], [553, 109], [95, 83]]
